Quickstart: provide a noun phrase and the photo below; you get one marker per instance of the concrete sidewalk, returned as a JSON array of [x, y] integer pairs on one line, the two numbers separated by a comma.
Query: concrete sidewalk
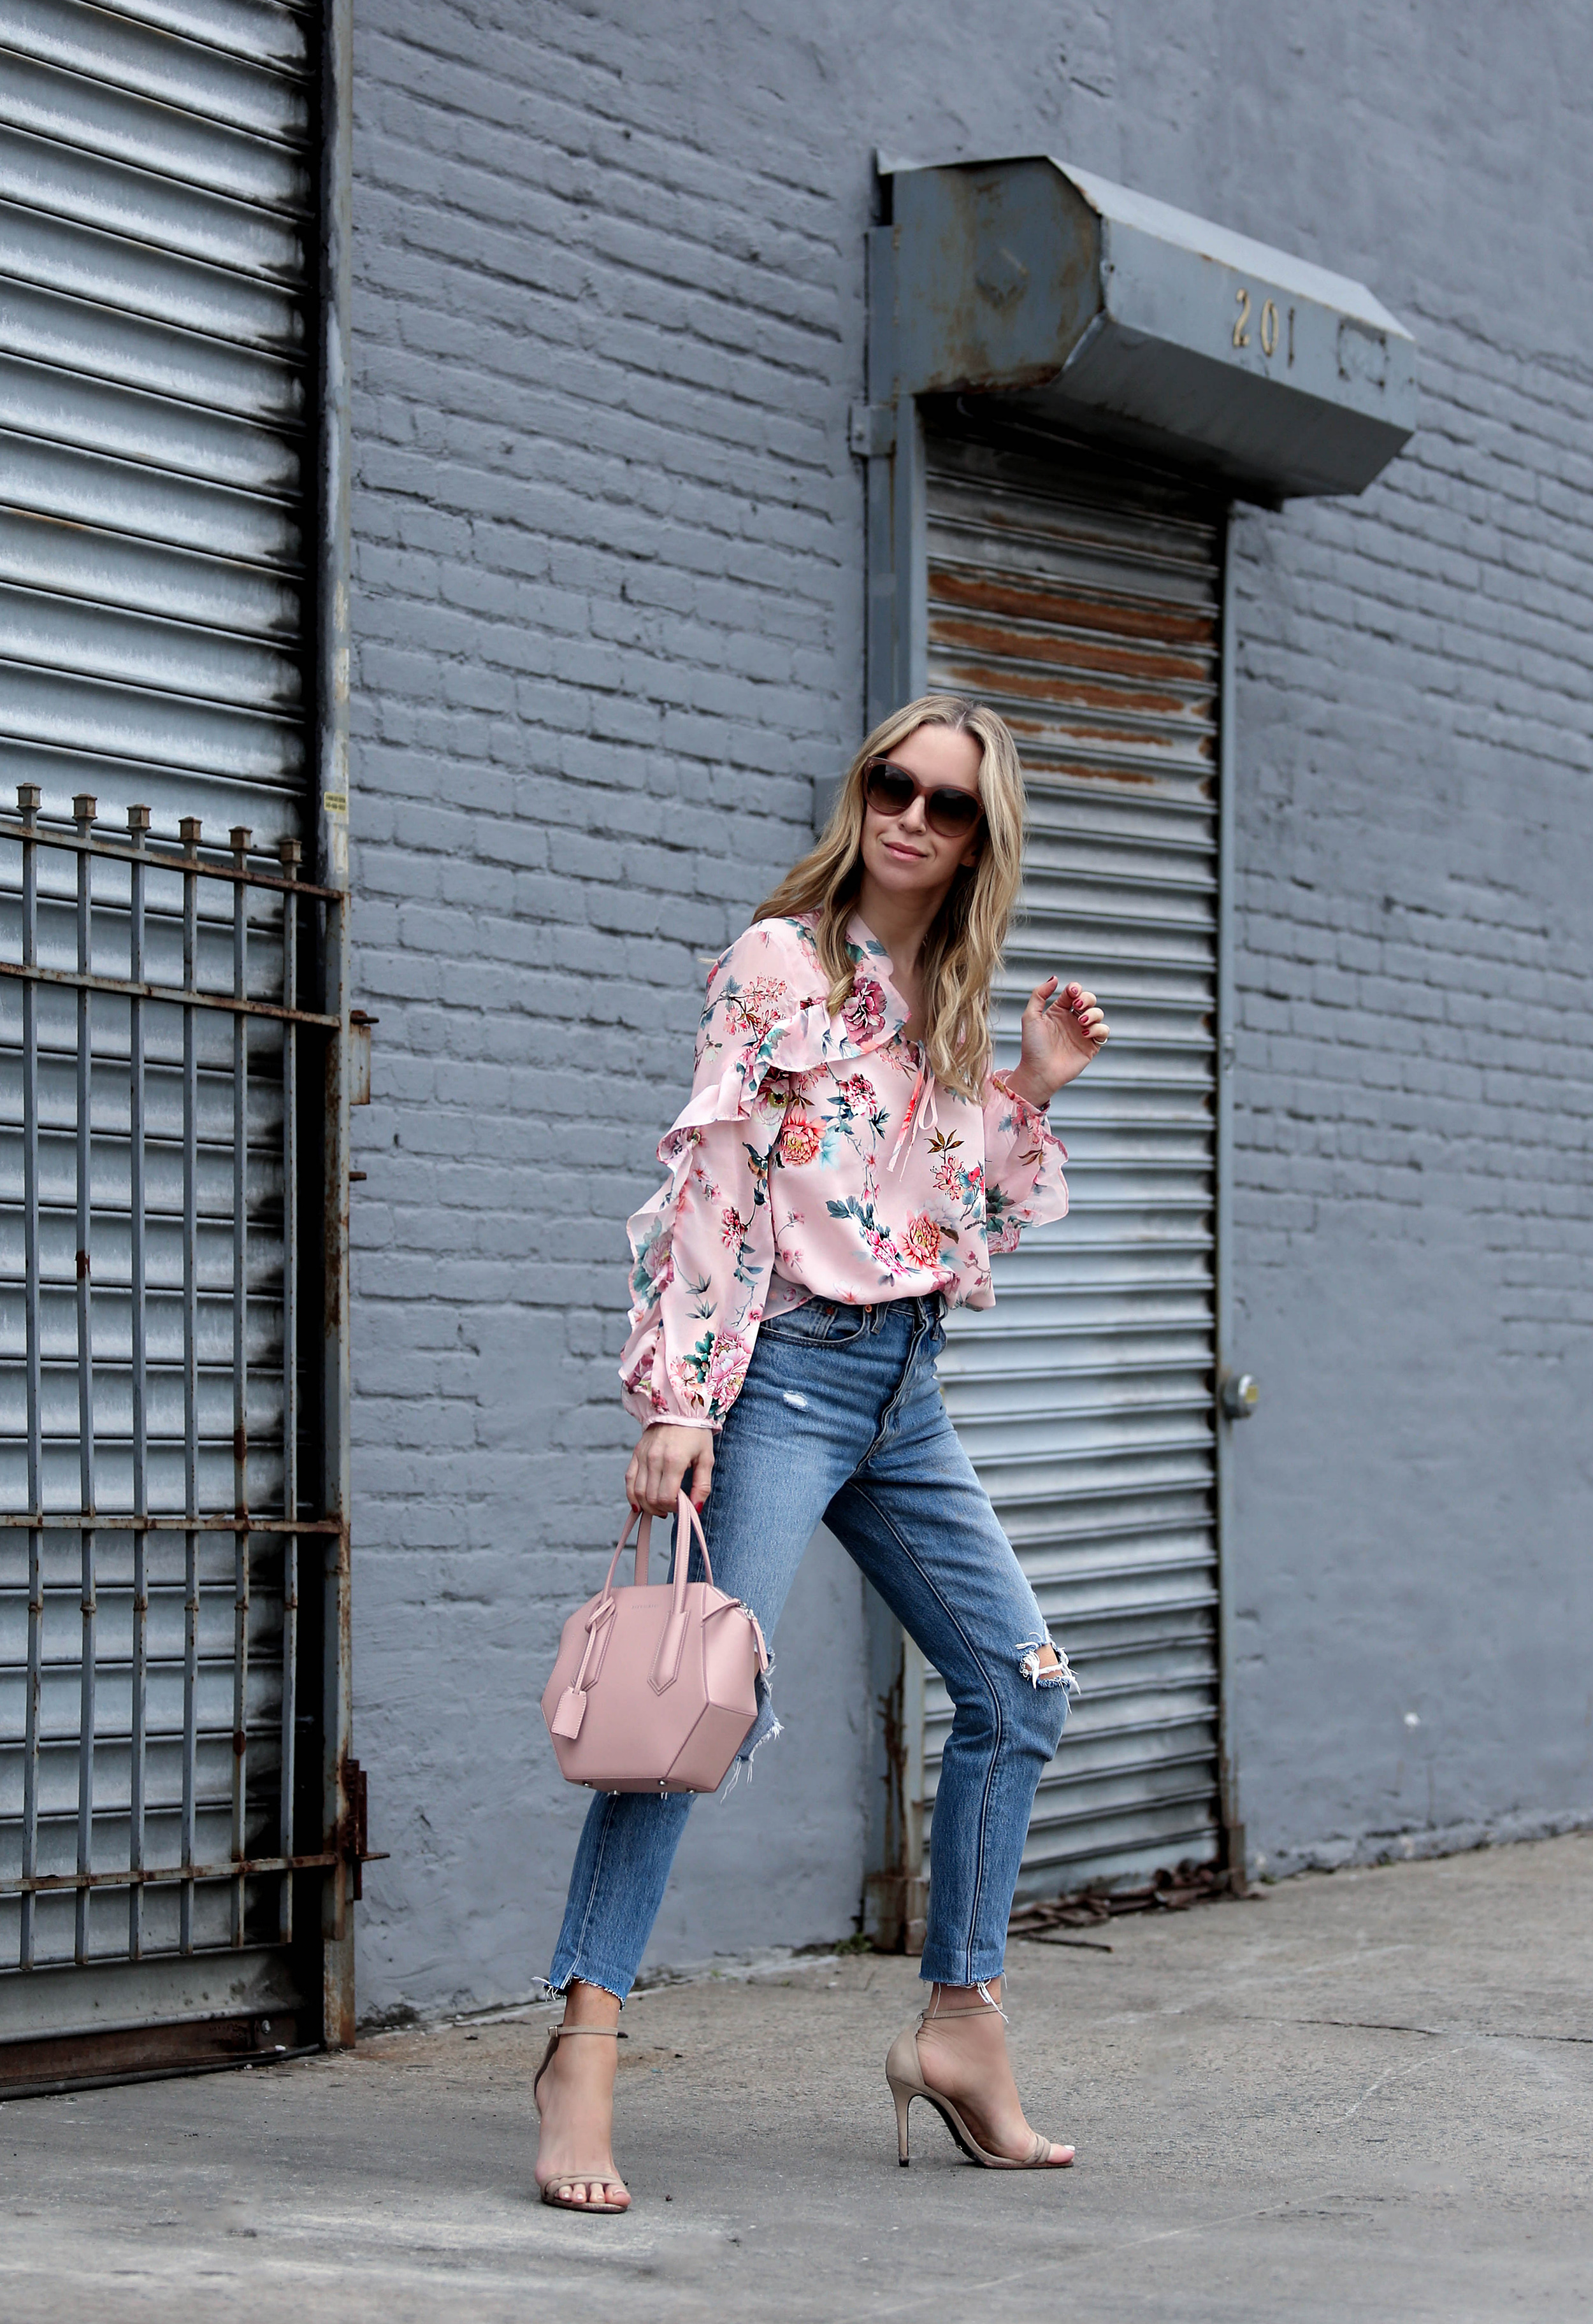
[[1369, 2095]]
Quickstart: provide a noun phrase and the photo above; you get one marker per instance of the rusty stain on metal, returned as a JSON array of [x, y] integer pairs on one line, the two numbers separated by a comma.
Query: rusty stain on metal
[[1081, 774], [356, 1848], [126, 988], [1162, 623], [1100, 652], [335, 1165], [174, 1521], [1089, 693], [1076, 649], [359, 1057], [53, 2065], [161, 855], [169, 1876]]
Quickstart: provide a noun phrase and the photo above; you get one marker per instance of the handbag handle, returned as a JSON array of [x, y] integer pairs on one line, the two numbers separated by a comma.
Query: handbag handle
[[689, 1521], [642, 1541], [666, 1663]]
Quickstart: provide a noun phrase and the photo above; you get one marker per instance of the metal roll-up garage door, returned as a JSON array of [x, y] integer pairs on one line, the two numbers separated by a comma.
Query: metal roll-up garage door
[[161, 1044], [1082, 599], [156, 388]]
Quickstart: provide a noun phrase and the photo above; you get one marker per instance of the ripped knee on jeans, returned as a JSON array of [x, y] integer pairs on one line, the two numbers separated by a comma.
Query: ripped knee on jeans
[[1043, 1664]]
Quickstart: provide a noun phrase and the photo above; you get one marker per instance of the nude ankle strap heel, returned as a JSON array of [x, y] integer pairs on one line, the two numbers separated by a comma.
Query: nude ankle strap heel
[[905, 2074], [558, 2033], [556, 2192]]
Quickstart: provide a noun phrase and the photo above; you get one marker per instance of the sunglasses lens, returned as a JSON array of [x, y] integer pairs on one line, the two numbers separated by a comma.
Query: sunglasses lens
[[892, 791], [953, 814], [885, 789]]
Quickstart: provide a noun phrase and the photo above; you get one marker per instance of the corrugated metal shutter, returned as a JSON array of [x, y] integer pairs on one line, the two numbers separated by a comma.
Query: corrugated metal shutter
[[1083, 600], [158, 285], [157, 184]]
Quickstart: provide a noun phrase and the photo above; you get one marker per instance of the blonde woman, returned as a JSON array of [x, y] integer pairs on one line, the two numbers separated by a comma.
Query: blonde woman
[[846, 1167]]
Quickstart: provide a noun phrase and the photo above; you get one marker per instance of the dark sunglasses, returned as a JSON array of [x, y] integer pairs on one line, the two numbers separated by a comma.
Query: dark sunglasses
[[891, 790]]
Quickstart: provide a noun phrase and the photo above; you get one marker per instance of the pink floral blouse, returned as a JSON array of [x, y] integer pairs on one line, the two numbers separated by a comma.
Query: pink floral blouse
[[818, 1156]]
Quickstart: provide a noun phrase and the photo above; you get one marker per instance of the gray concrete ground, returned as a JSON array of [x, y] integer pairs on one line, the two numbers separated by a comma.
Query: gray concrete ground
[[1368, 2095]]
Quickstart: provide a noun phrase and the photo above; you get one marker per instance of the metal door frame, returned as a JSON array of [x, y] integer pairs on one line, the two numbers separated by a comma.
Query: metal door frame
[[1230, 1806], [887, 434], [343, 1788]]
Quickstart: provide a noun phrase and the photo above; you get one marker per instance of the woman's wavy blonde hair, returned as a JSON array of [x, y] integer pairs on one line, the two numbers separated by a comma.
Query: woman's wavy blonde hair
[[963, 950]]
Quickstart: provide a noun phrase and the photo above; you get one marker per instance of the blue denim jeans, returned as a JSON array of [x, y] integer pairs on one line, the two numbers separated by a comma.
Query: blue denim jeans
[[841, 1420]]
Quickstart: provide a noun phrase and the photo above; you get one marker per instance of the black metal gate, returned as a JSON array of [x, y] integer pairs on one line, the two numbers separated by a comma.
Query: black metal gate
[[174, 1599]]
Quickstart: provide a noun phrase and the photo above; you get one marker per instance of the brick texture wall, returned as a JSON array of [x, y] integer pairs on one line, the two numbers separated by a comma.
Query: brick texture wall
[[610, 594], [608, 543], [1411, 1592]]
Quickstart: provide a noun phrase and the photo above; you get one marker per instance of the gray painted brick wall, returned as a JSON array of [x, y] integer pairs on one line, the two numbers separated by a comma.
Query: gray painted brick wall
[[1412, 1589], [608, 544]]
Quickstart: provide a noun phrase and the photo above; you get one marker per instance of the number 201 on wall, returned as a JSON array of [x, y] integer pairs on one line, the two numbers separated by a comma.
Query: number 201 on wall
[[1268, 332]]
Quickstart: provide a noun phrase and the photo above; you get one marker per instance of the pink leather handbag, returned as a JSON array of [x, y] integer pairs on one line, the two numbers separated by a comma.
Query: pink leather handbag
[[655, 1687]]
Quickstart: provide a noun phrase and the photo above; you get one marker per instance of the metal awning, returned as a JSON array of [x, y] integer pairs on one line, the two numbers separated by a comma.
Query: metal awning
[[1122, 316]]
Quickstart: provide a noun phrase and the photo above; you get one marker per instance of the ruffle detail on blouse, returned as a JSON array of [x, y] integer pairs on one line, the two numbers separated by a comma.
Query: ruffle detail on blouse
[[644, 1376], [753, 1089], [651, 1232], [1033, 1143], [730, 1099]]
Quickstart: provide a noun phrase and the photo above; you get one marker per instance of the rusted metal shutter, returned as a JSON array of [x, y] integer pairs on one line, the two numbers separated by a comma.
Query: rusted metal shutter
[[160, 1708], [1082, 598]]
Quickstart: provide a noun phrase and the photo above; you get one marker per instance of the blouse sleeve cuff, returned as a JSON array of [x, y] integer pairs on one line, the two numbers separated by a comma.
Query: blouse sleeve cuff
[[1027, 1112]]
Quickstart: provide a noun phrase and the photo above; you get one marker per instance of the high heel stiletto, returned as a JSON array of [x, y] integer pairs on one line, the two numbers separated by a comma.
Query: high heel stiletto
[[905, 2074], [556, 2193]]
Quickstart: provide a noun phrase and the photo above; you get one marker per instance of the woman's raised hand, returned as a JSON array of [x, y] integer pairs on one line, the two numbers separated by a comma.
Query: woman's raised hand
[[664, 1453], [1062, 1031]]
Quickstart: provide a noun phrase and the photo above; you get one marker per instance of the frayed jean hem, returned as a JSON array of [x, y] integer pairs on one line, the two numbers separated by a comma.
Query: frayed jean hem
[[607, 1980]]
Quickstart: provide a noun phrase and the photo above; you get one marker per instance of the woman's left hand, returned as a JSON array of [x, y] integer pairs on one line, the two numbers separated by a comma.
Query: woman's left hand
[[1062, 1031]]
